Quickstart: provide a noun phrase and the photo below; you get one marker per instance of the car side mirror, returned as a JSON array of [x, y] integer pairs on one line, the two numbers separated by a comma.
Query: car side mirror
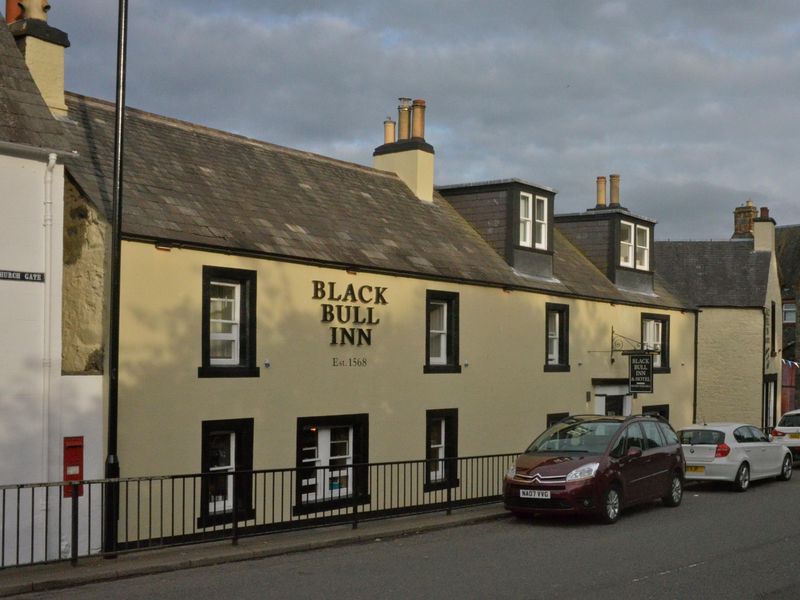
[[634, 452]]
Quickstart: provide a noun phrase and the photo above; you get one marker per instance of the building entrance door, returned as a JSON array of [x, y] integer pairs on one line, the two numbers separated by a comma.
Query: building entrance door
[[612, 398], [614, 404]]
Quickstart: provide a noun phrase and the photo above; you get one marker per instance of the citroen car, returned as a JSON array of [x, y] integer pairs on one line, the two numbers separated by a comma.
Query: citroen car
[[599, 465]]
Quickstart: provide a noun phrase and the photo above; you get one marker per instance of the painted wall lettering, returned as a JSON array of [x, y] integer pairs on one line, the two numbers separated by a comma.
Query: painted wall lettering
[[349, 310]]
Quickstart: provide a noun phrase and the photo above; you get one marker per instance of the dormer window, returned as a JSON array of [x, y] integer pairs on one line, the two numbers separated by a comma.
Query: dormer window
[[532, 221], [634, 246]]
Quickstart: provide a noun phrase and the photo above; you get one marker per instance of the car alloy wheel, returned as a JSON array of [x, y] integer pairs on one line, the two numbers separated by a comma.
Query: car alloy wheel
[[611, 505], [786, 469], [743, 478], [675, 495]]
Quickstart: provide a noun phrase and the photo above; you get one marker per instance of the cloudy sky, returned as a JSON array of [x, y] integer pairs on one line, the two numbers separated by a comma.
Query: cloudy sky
[[694, 103]]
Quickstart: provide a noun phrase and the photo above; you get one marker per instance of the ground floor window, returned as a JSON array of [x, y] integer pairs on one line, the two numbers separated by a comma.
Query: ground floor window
[[330, 453], [441, 449], [227, 463], [659, 410], [554, 418]]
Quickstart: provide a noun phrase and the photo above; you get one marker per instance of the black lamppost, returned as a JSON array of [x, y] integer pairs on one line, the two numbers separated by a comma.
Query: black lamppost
[[111, 501]]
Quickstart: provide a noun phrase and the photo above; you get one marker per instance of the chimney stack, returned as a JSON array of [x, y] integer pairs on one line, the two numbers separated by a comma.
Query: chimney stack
[[410, 156], [43, 49], [614, 191], [743, 217], [764, 232], [601, 192]]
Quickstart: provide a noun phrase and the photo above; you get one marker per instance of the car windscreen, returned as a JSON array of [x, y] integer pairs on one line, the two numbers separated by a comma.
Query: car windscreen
[[586, 437], [790, 421], [701, 436]]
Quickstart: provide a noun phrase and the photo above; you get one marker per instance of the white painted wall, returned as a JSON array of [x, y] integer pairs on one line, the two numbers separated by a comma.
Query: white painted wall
[[32, 422]]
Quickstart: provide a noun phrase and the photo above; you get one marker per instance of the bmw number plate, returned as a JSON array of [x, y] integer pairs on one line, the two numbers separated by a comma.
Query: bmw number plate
[[535, 494]]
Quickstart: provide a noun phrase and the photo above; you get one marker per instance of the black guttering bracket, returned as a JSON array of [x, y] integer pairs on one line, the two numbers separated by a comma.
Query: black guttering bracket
[[403, 146]]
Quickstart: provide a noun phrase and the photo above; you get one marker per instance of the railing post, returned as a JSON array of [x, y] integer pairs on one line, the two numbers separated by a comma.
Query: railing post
[[74, 533], [235, 512], [355, 498], [449, 490]]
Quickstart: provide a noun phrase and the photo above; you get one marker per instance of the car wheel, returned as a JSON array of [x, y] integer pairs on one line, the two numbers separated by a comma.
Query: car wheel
[[786, 469], [612, 505], [675, 494], [742, 481]]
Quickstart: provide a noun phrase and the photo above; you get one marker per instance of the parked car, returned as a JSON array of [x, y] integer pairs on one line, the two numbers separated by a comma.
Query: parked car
[[734, 452], [788, 432], [597, 464]]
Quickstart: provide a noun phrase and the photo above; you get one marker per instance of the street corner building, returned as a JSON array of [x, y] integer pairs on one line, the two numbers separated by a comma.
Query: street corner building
[[281, 309]]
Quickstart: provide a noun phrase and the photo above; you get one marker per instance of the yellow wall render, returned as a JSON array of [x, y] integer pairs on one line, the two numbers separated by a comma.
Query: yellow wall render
[[502, 394]]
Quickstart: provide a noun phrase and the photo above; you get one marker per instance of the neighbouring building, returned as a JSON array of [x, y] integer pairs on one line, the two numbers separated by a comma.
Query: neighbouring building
[[50, 422], [787, 241], [735, 285]]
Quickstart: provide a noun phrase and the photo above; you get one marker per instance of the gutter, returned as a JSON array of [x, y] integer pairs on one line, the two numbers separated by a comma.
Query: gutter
[[35, 150]]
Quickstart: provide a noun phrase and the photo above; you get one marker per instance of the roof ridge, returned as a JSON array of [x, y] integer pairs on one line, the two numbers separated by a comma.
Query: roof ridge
[[220, 133]]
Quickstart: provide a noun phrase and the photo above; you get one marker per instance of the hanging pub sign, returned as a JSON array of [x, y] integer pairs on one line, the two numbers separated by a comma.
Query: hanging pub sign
[[640, 373], [21, 276]]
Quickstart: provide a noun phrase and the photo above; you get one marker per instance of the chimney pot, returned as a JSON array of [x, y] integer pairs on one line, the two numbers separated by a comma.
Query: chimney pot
[[388, 131], [16, 10], [764, 212], [601, 192], [418, 123], [404, 119], [614, 190]]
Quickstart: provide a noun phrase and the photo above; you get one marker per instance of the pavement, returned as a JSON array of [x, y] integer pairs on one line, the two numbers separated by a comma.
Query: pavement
[[36, 578]]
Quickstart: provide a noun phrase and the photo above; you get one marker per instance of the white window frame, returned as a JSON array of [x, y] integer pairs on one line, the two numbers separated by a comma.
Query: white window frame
[[540, 216], [653, 334], [553, 337], [626, 246], [789, 308], [644, 264], [526, 208], [216, 507], [235, 334], [440, 359], [438, 474], [323, 472]]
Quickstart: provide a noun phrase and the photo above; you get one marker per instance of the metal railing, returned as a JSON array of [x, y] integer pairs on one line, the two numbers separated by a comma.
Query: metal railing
[[61, 521]]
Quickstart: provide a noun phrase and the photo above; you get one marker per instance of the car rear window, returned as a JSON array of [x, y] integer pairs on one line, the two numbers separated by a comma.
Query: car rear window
[[701, 436], [790, 421]]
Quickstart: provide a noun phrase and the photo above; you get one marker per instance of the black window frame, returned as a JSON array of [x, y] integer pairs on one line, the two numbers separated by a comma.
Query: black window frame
[[243, 470], [661, 410], [450, 416], [360, 473], [452, 300], [665, 339], [553, 418], [247, 366], [563, 337]]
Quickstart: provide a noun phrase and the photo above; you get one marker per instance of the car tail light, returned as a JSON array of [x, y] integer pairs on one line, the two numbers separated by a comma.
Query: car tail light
[[778, 433], [722, 451]]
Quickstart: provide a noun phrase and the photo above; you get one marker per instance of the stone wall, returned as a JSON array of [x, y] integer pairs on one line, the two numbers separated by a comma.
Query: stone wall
[[86, 246]]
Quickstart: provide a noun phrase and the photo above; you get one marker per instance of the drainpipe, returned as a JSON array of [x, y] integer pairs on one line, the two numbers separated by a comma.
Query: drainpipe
[[47, 360]]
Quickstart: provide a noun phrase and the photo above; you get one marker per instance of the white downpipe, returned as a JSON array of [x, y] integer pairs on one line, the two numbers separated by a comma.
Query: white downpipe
[[47, 361]]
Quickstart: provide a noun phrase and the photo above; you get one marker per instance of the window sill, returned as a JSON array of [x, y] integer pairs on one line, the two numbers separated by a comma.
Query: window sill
[[441, 369], [433, 486], [661, 370], [556, 368], [232, 371], [311, 508], [635, 269], [244, 514], [534, 249]]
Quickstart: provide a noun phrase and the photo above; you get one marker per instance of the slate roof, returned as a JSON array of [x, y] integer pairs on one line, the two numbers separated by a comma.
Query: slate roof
[[715, 273], [203, 187], [787, 249], [24, 117]]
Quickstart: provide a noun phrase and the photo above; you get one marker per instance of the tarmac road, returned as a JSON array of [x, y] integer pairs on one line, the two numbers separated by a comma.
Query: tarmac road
[[717, 544]]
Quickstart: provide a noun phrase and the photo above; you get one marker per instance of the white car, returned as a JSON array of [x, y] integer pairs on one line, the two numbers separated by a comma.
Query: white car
[[788, 432], [734, 452]]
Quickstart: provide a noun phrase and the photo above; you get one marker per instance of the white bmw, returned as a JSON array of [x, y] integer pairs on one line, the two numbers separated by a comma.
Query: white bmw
[[734, 452]]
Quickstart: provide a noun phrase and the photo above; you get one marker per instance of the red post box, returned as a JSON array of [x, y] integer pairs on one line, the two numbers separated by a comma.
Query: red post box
[[73, 463]]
